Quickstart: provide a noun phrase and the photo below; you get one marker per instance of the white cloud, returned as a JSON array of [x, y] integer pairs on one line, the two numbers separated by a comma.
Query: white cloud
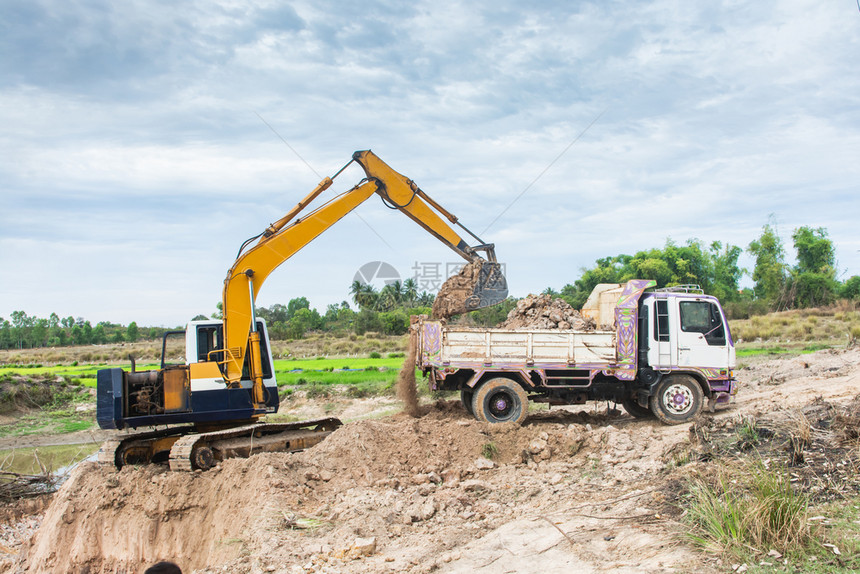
[[133, 163]]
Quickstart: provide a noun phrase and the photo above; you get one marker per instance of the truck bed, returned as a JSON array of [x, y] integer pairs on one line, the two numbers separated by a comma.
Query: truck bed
[[443, 346]]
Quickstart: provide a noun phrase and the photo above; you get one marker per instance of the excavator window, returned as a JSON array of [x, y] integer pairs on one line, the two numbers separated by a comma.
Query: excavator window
[[211, 338]]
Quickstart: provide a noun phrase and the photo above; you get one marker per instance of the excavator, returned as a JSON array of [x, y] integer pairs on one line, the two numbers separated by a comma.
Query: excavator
[[212, 406]]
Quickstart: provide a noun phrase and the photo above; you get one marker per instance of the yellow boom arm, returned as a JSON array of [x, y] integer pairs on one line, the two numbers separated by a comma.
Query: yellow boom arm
[[288, 235]]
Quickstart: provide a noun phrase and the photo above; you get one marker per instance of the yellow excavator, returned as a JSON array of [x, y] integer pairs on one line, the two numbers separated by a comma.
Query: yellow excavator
[[211, 405]]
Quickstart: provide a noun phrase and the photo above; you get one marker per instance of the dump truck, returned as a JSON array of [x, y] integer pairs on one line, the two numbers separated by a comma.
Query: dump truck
[[658, 352]]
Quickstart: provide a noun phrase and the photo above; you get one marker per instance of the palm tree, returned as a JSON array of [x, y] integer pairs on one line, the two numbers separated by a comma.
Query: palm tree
[[363, 294], [410, 292]]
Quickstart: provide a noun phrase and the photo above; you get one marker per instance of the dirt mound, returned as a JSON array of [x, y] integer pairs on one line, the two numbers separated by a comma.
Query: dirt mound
[[22, 393], [545, 312], [379, 478], [571, 490]]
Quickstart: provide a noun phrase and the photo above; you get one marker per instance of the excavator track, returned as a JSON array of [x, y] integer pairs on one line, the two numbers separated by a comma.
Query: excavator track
[[202, 451], [136, 448]]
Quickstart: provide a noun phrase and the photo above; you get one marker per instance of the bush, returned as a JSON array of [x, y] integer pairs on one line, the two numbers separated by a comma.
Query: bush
[[759, 511], [374, 355], [851, 288], [316, 390]]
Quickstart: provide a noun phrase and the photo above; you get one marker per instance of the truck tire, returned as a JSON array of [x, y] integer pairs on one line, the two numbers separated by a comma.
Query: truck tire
[[500, 400], [635, 410], [466, 396], [677, 399]]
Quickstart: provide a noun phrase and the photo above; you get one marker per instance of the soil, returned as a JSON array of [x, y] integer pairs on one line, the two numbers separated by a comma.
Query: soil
[[545, 312], [451, 298], [586, 489], [407, 391]]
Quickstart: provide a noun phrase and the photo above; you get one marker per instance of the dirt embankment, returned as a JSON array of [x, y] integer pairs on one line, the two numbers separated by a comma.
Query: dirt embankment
[[420, 487], [585, 490]]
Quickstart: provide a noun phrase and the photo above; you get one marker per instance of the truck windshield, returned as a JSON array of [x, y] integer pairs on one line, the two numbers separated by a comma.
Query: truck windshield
[[703, 317]]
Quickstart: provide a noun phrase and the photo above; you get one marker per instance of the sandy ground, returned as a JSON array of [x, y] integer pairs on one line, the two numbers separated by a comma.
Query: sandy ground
[[573, 490]]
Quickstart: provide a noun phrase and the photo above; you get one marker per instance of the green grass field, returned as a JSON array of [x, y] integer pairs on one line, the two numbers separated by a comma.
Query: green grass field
[[287, 371]]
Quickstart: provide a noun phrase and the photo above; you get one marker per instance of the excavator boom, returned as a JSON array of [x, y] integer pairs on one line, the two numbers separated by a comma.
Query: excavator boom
[[284, 238]]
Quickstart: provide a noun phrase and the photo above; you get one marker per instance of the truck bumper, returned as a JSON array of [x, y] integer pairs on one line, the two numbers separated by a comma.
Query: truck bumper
[[722, 394]]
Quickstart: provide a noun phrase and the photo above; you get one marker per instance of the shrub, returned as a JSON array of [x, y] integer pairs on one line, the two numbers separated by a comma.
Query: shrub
[[375, 355], [316, 390], [757, 511], [489, 450]]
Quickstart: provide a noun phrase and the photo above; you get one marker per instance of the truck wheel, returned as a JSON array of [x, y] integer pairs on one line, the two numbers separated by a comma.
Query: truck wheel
[[678, 399], [500, 400], [466, 395], [634, 409]]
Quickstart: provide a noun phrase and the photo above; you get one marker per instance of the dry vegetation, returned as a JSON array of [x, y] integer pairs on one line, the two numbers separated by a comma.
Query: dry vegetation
[[313, 345], [832, 326]]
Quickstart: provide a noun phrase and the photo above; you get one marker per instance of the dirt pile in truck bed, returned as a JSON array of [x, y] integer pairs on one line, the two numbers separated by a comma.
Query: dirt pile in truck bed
[[545, 312]]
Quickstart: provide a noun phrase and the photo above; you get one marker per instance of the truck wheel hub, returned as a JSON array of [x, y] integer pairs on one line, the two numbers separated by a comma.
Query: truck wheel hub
[[500, 405], [677, 398]]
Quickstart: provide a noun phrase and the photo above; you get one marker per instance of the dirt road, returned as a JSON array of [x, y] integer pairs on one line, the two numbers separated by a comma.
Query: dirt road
[[572, 490]]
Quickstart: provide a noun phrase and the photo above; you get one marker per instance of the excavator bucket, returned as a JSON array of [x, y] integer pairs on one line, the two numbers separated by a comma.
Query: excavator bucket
[[479, 284], [491, 288]]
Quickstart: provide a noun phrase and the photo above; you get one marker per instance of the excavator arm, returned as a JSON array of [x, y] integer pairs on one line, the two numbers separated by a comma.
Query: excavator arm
[[291, 233]]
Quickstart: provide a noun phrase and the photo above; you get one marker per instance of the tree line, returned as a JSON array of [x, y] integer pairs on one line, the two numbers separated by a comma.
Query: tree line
[[23, 331], [778, 286], [811, 282]]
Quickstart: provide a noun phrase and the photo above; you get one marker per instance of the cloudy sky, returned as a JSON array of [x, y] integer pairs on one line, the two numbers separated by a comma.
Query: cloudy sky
[[134, 160]]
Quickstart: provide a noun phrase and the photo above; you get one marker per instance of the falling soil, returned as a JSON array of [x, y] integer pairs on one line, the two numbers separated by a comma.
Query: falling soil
[[407, 390], [451, 299]]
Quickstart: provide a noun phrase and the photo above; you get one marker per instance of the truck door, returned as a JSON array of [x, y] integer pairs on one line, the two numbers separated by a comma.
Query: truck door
[[702, 340]]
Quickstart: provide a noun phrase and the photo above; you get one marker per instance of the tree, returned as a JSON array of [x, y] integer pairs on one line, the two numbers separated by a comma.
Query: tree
[[726, 274], [851, 288], [98, 335], [367, 320], [363, 294], [132, 333], [394, 322], [410, 292], [769, 273], [815, 251], [21, 325], [813, 279], [39, 333], [295, 305]]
